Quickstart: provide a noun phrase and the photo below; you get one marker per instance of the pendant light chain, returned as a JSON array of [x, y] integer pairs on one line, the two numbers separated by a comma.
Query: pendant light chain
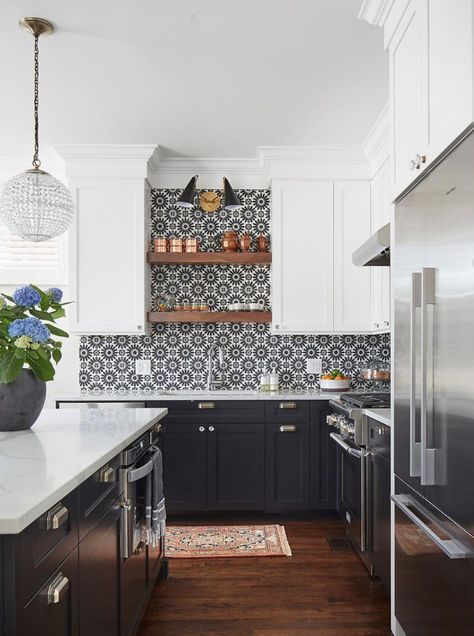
[[36, 162]]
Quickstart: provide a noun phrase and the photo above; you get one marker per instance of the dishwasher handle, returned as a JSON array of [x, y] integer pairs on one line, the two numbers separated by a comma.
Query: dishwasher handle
[[345, 446], [452, 547]]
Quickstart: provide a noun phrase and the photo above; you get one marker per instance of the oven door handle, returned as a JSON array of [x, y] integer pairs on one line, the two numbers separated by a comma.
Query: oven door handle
[[345, 446], [139, 473]]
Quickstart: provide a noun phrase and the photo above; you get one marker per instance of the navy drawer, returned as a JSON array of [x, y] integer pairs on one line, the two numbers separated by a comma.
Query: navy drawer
[[291, 411], [45, 543], [212, 410], [97, 494]]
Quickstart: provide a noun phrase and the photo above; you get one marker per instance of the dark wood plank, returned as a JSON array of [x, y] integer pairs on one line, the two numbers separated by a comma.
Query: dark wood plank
[[210, 258], [314, 592], [209, 316]]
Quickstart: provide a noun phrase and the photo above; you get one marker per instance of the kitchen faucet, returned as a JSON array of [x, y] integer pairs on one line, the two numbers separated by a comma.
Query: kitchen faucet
[[214, 383]]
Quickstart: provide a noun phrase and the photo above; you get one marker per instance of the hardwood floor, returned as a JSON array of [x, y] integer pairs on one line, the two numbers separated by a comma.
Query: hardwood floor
[[315, 592]]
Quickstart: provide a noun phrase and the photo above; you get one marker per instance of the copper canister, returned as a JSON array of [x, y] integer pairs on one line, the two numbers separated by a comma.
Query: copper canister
[[229, 241], [191, 245], [160, 244], [245, 241], [262, 243], [176, 245]]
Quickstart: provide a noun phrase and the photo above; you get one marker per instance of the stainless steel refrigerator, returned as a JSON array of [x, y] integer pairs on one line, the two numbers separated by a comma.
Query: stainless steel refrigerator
[[433, 286]]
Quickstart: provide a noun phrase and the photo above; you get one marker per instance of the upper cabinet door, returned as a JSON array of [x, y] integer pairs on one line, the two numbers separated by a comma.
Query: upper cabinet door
[[302, 245], [450, 72], [352, 306], [108, 256], [408, 91], [381, 208]]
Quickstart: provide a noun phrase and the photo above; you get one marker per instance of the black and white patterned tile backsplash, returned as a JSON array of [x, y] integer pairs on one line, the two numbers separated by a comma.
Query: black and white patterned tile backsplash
[[178, 352]]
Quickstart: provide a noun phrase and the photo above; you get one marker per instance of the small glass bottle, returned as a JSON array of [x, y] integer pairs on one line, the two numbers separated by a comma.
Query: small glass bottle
[[264, 381], [274, 382]]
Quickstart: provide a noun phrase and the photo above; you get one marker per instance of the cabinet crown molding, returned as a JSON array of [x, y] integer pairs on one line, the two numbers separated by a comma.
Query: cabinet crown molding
[[109, 160], [376, 146], [375, 11]]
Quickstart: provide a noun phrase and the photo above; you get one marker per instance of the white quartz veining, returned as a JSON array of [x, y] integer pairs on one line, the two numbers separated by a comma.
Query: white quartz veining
[[40, 466], [384, 416], [217, 395]]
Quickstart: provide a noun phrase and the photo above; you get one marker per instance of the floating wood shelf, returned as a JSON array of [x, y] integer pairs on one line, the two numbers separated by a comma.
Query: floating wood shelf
[[210, 258], [209, 316]]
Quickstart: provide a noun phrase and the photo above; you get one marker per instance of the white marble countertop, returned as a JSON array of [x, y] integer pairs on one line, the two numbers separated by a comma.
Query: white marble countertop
[[384, 416], [217, 395], [63, 448]]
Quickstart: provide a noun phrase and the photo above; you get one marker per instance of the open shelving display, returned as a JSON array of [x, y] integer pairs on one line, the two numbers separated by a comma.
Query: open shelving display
[[209, 316]]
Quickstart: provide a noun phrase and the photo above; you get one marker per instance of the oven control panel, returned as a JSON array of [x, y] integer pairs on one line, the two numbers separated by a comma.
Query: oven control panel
[[344, 425]]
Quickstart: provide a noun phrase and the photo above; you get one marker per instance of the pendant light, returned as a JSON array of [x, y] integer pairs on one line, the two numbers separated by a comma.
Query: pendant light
[[34, 205]]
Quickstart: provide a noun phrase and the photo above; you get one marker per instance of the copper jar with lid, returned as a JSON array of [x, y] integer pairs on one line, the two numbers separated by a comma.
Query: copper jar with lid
[[245, 242], [229, 241], [160, 244], [176, 245], [262, 243], [191, 245]]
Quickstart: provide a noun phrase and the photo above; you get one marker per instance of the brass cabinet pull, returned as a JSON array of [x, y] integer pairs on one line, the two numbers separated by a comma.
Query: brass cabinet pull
[[287, 428], [56, 517], [106, 474], [57, 589], [287, 405], [206, 405]]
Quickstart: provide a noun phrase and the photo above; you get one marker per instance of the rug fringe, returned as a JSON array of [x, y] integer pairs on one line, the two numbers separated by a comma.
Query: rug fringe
[[284, 541]]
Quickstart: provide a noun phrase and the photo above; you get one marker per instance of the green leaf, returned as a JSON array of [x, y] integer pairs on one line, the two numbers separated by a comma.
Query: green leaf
[[57, 331], [45, 300], [58, 313], [57, 355], [42, 315], [43, 369], [10, 367]]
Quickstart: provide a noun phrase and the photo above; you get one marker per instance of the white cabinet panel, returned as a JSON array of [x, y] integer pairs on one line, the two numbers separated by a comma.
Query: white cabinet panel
[[407, 59], [302, 245], [108, 252], [352, 285], [450, 69], [381, 212]]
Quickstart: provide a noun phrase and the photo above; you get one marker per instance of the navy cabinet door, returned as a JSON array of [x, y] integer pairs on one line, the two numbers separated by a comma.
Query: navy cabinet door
[[287, 466], [184, 466], [53, 609], [323, 461], [99, 577], [235, 466]]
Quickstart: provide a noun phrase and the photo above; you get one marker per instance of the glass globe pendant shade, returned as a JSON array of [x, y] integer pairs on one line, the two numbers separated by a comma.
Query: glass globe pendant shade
[[36, 206]]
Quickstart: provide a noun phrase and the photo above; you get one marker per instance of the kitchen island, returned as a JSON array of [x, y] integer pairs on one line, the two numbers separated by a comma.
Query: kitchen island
[[61, 504]]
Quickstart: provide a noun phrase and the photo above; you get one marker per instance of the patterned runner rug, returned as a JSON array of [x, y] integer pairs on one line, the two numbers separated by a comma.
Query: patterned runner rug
[[191, 542]]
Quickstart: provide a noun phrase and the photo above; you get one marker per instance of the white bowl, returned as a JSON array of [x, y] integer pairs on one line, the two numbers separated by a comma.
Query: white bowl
[[335, 385], [255, 306], [237, 307]]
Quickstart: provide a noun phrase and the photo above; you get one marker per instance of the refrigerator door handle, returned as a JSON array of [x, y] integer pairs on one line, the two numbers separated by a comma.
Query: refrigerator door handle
[[452, 547], [429, 454], [415, 447]]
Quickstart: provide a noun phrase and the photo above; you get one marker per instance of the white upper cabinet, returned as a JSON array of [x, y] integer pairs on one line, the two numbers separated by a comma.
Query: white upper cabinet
[[302, 246], [352, 306], [406, 59], [108, 239], [381, 212], [430, 46], [316, 225]]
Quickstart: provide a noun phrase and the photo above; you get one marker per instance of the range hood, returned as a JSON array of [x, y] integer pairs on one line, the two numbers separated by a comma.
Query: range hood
[[375, 251]]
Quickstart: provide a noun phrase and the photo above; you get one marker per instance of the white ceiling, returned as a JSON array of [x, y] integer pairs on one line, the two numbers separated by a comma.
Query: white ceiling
[[202, 78]]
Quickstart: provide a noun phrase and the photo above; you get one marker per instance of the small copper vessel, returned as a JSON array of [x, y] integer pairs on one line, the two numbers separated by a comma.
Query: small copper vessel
[[191, 245], [229, 241], [176, 245], [160, 244], [262, 243], [245, 242]]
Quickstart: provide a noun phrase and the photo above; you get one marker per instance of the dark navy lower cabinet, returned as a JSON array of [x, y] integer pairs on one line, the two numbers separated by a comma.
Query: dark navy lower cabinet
[[184, 465], [287, 466], [323, 460], [235, 466]]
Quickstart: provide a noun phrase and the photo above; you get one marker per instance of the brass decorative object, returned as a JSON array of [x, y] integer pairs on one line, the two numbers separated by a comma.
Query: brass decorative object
[[209, 201]]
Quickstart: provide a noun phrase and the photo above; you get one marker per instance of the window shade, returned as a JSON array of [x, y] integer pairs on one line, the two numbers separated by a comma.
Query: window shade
[[23, 262]]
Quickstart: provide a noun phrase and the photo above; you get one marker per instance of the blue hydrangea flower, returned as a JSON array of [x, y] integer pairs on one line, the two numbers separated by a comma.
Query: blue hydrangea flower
[[26, 296], [31, 327], [55, 294]]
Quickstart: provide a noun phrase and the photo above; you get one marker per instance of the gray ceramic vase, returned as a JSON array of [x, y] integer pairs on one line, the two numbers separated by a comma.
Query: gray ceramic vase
[[21, 402]]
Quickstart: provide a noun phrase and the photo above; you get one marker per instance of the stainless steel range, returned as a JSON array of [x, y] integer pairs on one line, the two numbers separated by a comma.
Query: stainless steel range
[[353, 479]]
